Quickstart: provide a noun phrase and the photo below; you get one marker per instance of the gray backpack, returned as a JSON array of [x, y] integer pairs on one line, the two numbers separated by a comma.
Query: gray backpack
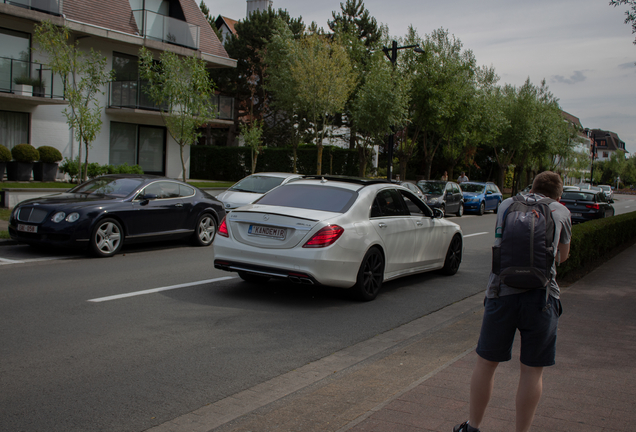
[[525, 256]]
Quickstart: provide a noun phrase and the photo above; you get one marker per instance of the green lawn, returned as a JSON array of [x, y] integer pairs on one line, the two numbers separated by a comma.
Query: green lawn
[[4, 215], [36, 185]]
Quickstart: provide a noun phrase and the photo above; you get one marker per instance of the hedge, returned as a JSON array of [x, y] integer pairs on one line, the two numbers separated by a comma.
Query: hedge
[[234, 163], [594, 239]]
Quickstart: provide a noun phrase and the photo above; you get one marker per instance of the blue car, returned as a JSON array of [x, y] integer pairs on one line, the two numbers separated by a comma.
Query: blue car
[[481, 197]]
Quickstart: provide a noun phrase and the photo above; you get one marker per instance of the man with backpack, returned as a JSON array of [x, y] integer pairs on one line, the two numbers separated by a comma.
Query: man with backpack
[[532, 235]]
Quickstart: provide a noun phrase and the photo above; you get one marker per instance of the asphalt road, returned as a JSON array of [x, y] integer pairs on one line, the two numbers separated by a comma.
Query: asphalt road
[[74, 358]]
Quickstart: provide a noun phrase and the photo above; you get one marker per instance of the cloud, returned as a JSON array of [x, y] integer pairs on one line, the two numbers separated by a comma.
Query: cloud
[[576, 78], [630, 65]]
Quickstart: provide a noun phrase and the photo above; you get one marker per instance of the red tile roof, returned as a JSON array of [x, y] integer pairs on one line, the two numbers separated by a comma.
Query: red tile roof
[[117, 15]]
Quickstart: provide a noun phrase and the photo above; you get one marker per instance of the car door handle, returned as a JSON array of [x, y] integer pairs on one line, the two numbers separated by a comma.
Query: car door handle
[[178, 205], [419, 223], [382, 225]]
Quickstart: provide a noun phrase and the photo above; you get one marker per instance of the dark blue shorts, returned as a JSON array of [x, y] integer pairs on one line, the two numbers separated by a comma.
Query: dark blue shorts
[[536, 323]]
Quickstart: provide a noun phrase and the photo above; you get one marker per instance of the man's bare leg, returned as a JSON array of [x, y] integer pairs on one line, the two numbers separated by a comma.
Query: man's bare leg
[[528, 395], [481, 385]]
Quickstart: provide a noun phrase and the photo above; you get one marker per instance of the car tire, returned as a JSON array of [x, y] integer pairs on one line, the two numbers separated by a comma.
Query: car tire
[[482, 208], [252, 278], [453, 256], [497, 207], [107, 238], [204, 230], [460, 210], [370, 275]]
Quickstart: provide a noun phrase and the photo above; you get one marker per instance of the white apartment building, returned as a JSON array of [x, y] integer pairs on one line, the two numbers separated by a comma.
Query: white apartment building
[[132, 129]]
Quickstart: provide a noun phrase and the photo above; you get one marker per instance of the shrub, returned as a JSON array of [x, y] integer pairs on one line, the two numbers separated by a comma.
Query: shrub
[[25, 153], [593, 239], [49, 154], [5, 154], [25, 80], [95, 170]]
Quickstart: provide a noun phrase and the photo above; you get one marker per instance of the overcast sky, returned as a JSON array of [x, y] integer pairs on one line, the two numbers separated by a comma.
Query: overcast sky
[[582, 48]]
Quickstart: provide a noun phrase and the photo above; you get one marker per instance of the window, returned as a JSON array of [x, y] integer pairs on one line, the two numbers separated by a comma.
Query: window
[[15, 55], [416, 206], [605, 154], [138, 145], [389, 203], [14, 128]]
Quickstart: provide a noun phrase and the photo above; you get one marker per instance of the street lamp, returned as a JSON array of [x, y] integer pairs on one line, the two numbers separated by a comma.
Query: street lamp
[[391, 54]]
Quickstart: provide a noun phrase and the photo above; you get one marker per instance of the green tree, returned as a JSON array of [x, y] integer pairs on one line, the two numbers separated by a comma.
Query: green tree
[[248, 46], [354, 18], [443, 86], [84, 76], [185, 88], [630, 14], [382, 103], [253, 137], [323, 79]]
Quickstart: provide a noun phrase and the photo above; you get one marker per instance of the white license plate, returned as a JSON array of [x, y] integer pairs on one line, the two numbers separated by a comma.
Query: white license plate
[[264, 231], [576, 214], [28, 228]]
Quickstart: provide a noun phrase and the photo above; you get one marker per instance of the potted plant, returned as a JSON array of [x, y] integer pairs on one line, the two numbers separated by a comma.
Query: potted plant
[[46, 168], [19, 169], [5, 156], [28, 86]]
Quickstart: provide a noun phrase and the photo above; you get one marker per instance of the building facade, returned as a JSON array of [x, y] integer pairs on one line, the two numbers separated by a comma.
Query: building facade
[[132, 129]]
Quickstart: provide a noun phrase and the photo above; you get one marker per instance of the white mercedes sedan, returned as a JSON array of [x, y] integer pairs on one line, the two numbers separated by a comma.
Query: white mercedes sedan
[[337, 231]]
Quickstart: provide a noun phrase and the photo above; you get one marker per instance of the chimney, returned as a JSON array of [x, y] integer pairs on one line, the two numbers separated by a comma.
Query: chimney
[[258, 5]]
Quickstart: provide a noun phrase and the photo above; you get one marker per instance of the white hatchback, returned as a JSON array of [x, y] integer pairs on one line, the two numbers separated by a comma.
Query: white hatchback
[[342, 232]]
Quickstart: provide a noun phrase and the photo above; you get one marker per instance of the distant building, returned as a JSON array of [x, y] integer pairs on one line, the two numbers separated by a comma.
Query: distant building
[[226, 27], [258, 5], [607, 143]]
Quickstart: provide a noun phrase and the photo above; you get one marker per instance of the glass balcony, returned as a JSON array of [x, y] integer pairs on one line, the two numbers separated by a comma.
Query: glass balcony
[[53, 7], [131, 94], [167, 29], [29, 79]]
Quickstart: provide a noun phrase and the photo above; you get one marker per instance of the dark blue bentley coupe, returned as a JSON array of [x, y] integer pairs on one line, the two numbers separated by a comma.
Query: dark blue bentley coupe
[[108, 211]]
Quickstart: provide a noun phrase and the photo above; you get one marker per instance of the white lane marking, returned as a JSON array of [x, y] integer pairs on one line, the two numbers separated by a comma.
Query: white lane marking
[[476, 234], [5, 261], [8, 261], [155, 290]]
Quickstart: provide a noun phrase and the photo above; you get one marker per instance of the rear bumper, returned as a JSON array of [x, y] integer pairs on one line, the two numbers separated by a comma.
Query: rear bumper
[[331, 266]]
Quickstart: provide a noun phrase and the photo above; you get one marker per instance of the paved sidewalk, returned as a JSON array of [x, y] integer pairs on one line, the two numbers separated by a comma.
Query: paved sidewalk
[[420, 383]]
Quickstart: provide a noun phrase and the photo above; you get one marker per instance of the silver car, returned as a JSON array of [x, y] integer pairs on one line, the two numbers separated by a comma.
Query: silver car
[[253, 187]]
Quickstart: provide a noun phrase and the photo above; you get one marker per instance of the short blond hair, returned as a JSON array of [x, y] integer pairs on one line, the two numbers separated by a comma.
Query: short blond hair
[[548, 183]]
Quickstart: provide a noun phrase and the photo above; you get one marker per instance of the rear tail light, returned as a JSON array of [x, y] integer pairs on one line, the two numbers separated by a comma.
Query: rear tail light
[[325, 237], [223, 229], [593, 206]]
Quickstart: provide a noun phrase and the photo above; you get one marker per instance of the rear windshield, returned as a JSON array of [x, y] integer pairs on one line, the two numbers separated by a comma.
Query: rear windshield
[[471, 187], [257, 184], [119, 187], [578, 196], [310, 197], [432, 188]]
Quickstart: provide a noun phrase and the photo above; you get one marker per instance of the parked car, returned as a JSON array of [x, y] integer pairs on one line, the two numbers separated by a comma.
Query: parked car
[[252, 187], [413, 187], [445, 195], [609, 193], [342, 232], [108, 211], [586, 205], [570, 188], [481, 197]]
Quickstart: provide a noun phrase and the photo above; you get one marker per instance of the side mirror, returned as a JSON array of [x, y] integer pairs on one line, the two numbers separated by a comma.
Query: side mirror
[[488, 192], [438, 213], [149, 197]]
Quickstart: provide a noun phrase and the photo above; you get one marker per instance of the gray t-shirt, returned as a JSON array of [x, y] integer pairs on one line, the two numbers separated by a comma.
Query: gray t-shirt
[[562, 234]]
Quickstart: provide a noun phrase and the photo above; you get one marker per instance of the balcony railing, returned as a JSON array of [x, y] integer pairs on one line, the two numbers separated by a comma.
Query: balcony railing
[[53, 7], [131, 94], [167, 29], [38, 79]]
